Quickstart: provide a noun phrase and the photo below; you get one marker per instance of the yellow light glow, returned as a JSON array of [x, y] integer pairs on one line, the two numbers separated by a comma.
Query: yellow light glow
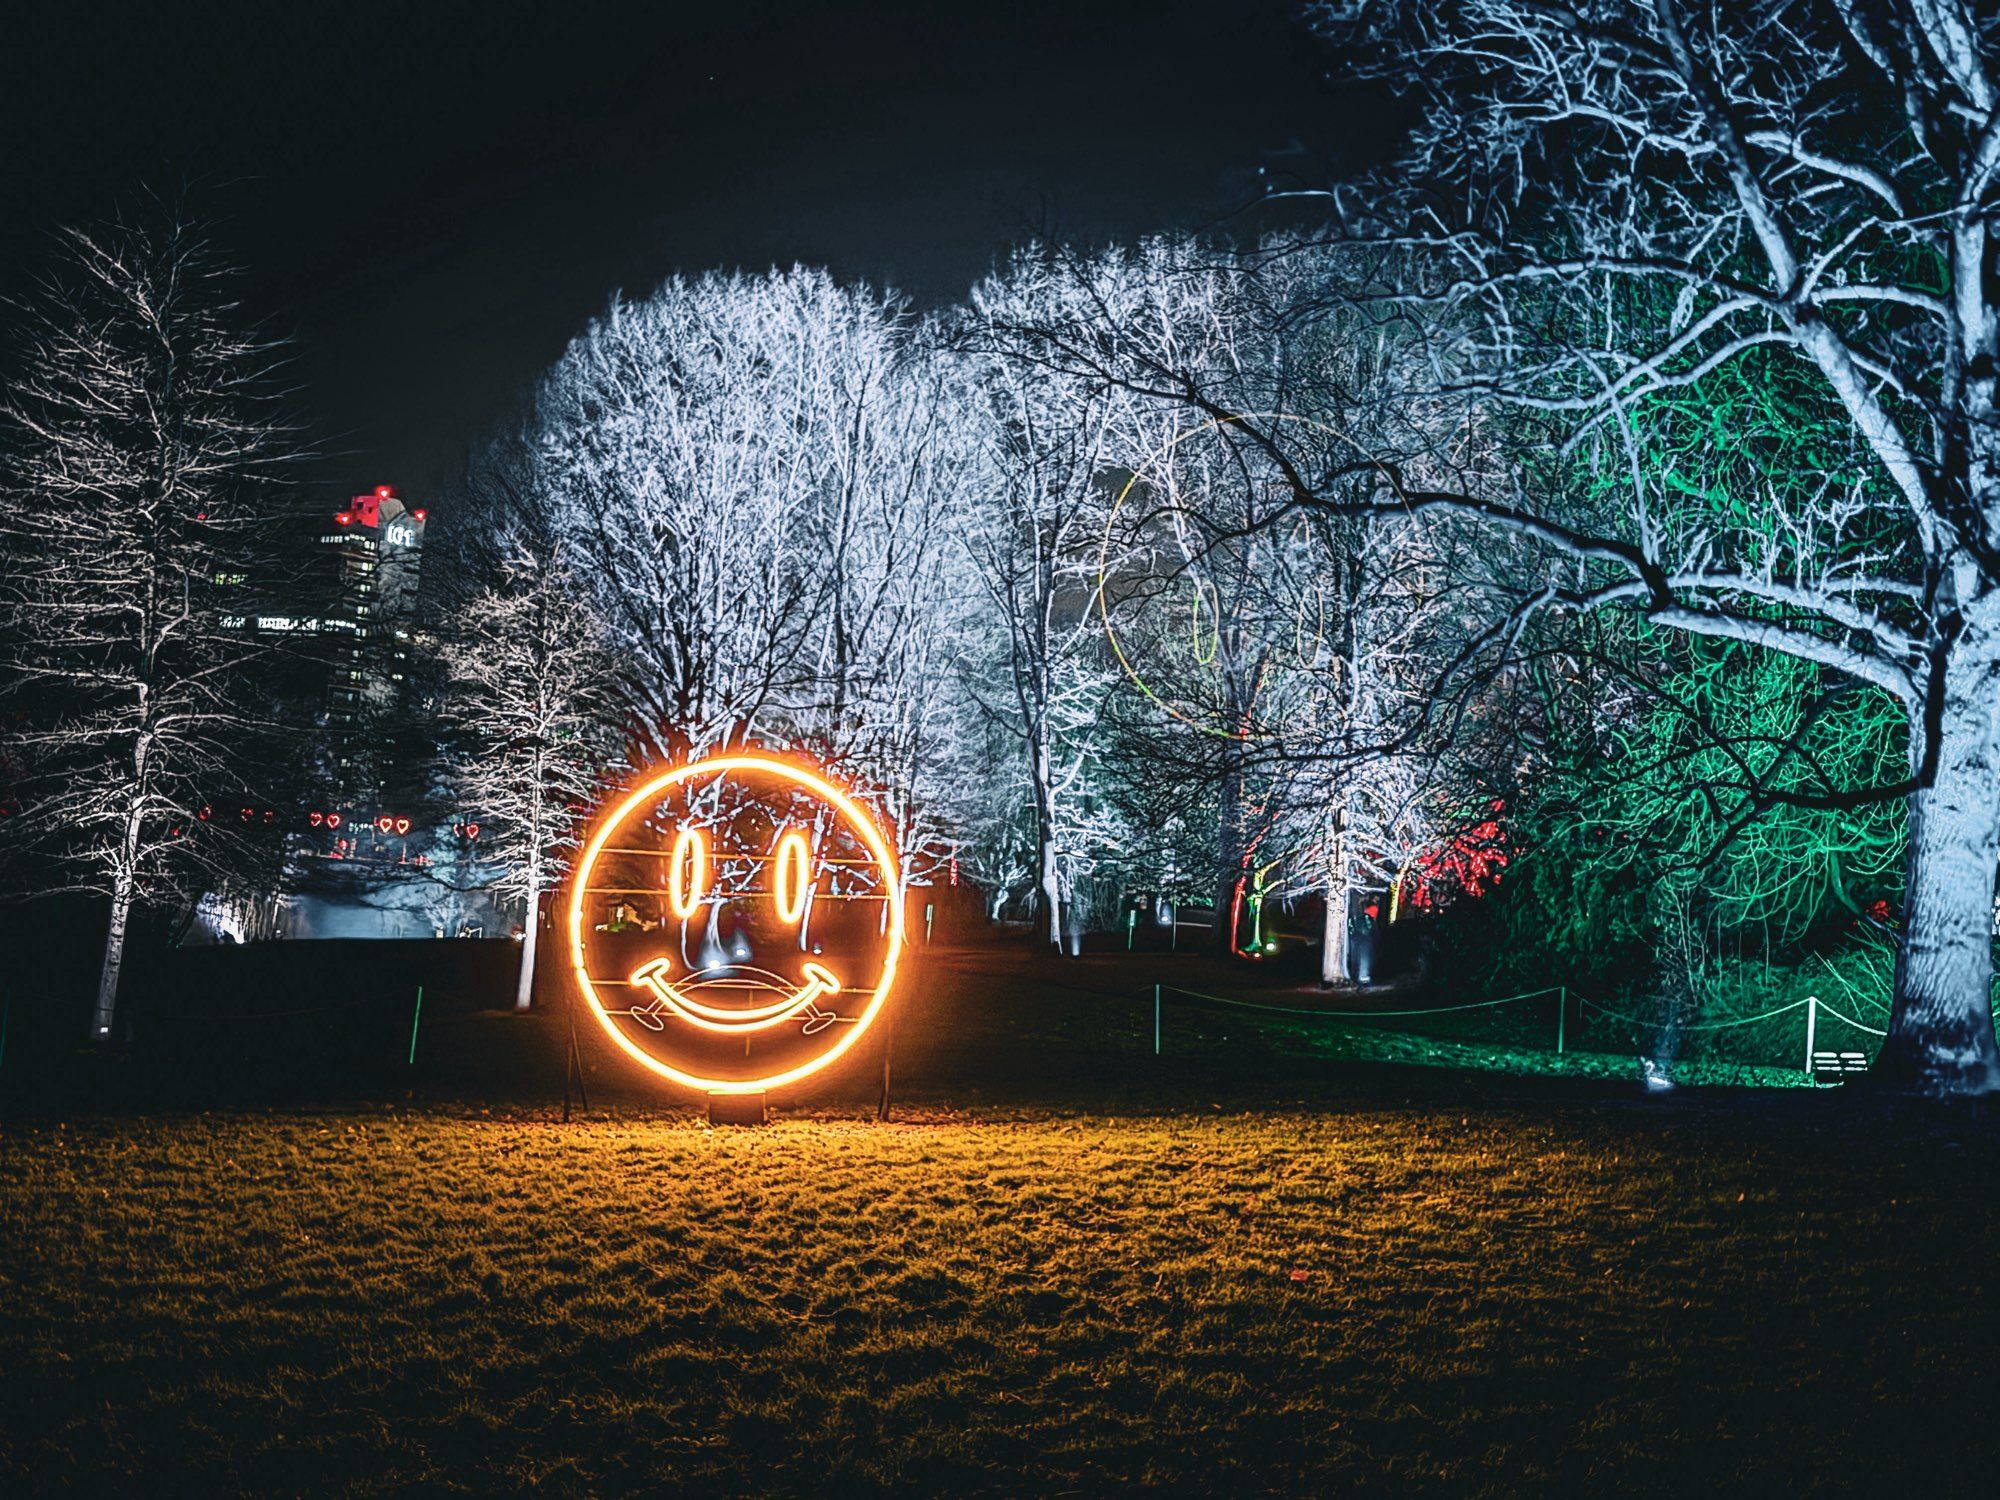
[[687, 879], [820, 980], [793, 877]]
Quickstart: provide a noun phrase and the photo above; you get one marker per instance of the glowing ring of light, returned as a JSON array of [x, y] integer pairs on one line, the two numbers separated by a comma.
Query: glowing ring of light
[[690, 855], [1104, 555], [858, 819], [791, 878]]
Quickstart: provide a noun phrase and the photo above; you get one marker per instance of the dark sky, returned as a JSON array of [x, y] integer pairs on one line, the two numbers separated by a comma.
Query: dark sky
[[435, 196]]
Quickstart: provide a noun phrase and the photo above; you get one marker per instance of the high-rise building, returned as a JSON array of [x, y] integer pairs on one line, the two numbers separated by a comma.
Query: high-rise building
[[379, 544]]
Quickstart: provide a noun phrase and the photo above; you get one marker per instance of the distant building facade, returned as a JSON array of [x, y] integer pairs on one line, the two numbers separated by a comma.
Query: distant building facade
[[364, 861]]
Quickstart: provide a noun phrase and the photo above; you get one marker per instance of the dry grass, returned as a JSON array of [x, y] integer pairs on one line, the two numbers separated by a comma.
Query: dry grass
[[1468, 1291]]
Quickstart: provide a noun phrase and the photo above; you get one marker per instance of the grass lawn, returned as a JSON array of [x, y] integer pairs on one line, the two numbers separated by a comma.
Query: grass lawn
[[1224, 1272]]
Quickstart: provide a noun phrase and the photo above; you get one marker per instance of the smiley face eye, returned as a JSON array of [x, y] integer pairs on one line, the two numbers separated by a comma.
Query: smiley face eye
[[687, 877], [792, 878]]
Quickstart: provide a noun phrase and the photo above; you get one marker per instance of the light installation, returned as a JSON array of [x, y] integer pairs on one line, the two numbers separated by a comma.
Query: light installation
[[735, 923]]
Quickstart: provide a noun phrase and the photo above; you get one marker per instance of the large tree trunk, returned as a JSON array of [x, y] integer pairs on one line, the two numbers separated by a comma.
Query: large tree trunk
[[1334, 960], [1232, 865], [1048, 878], [524, 988], [1941, 1037], [124, 884], [105, 1014]]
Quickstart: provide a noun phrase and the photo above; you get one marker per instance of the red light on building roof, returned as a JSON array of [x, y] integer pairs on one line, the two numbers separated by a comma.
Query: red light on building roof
[[346, 518], [383, 491], [419, 513]]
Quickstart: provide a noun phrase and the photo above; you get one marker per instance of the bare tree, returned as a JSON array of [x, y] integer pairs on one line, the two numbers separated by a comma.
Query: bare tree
[[756, 478], [688, 443], [1630, 196], [1281, 647], [1030, 548], [531, 694], [141, 441]]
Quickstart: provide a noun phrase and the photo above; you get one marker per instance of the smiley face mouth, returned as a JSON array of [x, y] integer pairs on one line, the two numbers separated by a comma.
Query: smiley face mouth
[[799, 1003]]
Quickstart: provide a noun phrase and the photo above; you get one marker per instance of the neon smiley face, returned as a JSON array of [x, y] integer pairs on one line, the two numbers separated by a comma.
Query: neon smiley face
[[808, 882]]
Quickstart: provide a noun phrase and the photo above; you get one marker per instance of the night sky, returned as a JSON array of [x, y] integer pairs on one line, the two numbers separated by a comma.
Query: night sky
[[435, 196]]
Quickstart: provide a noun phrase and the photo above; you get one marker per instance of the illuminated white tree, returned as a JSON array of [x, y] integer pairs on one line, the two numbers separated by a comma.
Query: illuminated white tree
[[1280, 652], [141, 439], [687, 442], [1039, 672], [531, 700], [756, 477]]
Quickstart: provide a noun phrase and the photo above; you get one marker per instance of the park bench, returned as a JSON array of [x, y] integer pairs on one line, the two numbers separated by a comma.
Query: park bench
[[1838, 1065]]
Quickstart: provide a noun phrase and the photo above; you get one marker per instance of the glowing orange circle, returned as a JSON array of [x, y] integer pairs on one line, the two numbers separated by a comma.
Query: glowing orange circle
[[858, 820]]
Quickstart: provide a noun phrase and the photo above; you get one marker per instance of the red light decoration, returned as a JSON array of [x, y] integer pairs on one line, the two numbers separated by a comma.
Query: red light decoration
[[333, 820], [472, 830], [206, 812], [384, 824], [1472, 863], [402, 825], [420, 513], [383, 491], [345, 518], [316, 818]]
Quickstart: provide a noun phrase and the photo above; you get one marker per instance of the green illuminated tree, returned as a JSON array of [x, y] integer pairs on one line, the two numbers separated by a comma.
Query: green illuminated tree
[[1805, 184]]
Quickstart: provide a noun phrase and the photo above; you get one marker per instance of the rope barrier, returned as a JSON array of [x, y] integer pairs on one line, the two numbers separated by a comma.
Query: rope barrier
[[1364, 1015], [1582, 1004], [1644, 1024], [1844, 1016]]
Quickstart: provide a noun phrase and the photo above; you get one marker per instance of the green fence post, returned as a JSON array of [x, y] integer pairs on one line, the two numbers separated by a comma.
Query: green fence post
[[416, 1019], [1562, 1011]]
